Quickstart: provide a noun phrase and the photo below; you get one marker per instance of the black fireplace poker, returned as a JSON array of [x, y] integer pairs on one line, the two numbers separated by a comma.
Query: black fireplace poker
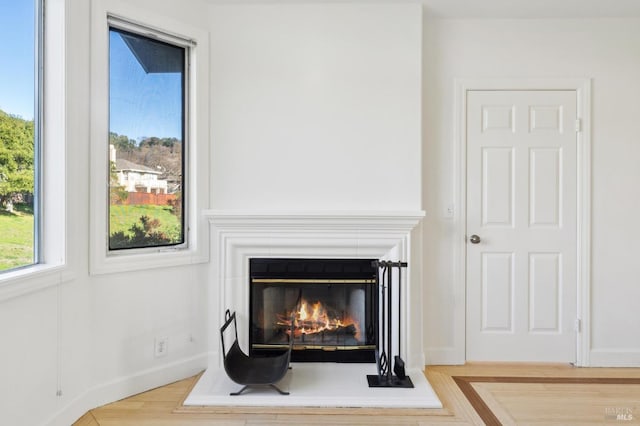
[[385, 377]]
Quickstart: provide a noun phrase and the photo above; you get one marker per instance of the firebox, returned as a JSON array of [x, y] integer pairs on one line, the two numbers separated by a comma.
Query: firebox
[[333, 303]]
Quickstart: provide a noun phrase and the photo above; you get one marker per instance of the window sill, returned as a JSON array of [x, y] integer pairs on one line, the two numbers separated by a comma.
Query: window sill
[[31, 279], [145, 261]]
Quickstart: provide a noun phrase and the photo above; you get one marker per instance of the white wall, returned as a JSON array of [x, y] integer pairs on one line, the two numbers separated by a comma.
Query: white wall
[[605, 50], [316, 106]]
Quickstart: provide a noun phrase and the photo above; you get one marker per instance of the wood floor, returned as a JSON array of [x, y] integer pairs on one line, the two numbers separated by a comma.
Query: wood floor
[[473, 394]]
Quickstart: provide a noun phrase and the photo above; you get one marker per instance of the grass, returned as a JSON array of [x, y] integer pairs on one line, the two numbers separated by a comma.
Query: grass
[[123, 217], [16, 229], [16, 237]]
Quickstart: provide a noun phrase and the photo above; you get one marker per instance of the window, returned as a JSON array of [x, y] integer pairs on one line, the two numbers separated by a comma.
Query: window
[[20, 88], [147, 138], [150, 102]]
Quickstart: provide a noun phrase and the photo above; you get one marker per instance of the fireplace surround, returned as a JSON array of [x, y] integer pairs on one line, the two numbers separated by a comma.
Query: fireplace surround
[[238, 236]]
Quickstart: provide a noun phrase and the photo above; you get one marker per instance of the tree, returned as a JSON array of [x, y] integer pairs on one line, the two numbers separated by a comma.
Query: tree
[[144, 235], [176, 206], [122, 143], [117, 193], [16, 158]]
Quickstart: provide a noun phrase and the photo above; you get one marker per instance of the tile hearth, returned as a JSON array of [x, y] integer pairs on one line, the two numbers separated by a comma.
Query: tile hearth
[[324, 385]]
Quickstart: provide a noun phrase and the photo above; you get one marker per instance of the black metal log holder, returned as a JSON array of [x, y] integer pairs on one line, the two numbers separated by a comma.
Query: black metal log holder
[[385, 377]]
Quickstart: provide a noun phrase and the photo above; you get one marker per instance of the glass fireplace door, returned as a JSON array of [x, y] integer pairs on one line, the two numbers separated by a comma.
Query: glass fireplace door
[[335, 319]]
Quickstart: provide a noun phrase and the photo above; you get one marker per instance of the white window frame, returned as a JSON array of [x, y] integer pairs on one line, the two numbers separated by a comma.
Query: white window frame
[[51, 249], [103, 260]]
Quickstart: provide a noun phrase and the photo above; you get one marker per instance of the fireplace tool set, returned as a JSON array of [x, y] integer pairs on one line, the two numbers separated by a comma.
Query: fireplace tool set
[[385, 377]]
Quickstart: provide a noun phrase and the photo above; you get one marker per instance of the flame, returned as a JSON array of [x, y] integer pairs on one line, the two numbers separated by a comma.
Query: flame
[[314, 318]]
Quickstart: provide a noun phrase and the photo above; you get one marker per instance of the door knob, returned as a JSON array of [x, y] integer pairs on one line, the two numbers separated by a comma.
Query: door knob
[[474, 239]]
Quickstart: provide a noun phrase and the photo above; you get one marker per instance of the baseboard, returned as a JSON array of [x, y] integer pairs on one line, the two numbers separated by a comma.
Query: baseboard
[[614, 358], [444, 356], [597, 357], [124, 387]]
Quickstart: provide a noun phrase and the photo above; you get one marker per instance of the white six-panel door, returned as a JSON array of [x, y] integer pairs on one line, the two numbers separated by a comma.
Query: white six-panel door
[[521, 205]]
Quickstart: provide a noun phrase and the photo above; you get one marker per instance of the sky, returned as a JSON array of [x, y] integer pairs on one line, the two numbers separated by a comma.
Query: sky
[[141, 104], [17, 57]]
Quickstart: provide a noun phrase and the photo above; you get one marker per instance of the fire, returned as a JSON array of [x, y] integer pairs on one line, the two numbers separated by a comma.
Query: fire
[[314, 318]]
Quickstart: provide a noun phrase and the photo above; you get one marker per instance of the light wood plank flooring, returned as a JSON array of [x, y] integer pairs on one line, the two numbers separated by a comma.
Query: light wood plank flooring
[[543, 394]]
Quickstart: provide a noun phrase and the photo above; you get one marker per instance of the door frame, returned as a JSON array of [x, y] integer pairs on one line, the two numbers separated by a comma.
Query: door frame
[[582, 87]]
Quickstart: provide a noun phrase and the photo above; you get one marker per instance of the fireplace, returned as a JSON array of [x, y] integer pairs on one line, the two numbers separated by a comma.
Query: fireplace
[[241, 236], [333, 303]]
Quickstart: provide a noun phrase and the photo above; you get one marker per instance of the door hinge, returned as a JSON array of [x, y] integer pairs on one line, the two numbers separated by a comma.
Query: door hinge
[[577, 326], [578, 125]]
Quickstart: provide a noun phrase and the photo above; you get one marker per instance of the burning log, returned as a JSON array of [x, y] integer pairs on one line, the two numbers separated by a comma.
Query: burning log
[[350, 330], [314, 319], [325, 337]]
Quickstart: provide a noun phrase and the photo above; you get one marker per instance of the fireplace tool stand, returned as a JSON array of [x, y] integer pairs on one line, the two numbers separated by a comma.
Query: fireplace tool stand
[[385, 377]]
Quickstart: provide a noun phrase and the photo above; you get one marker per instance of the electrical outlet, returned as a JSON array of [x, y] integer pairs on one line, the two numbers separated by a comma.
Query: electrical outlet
[[161, 346]]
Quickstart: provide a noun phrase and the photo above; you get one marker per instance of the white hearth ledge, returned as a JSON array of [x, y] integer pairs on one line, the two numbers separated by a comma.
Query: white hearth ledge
[[322, 385]]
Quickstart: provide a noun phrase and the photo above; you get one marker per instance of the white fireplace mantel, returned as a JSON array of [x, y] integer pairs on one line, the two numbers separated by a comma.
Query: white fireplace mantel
[[352, 219], [238, 236]]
